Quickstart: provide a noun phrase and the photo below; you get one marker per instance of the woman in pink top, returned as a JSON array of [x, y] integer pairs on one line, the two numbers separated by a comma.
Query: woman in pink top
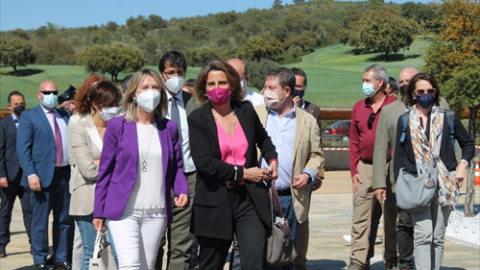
[[231, 192]]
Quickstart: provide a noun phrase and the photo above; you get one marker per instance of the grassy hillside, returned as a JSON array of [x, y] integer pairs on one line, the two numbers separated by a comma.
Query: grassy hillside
[[334, 74]]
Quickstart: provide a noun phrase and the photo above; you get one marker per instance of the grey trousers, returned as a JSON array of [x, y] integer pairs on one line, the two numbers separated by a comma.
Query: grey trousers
[[429, 230]]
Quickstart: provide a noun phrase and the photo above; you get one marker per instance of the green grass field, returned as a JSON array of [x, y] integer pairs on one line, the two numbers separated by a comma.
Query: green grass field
[[334, 74]]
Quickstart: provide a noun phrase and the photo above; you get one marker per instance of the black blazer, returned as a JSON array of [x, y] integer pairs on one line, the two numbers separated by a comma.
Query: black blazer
[[212, 214], [9, 164], [404, 157]]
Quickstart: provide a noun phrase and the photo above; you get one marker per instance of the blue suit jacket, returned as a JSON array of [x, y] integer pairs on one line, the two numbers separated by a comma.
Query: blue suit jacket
[[36, 145]]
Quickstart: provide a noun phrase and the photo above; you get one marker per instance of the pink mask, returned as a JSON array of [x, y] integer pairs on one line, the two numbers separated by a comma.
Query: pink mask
[[219, 96]]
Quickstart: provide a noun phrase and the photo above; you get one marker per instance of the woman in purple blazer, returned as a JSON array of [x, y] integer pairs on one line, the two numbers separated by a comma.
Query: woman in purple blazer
[[141, 162]]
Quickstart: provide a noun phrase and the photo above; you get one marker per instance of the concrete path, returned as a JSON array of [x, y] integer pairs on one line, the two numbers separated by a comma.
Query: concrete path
[[330, 219]]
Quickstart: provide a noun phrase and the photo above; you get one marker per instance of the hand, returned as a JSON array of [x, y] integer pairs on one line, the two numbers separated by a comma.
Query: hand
[[181, 201], [461, 173], [381, 195], [273, 170], [255, 174], [355, 181], [301, 181], [318, 184], [34, 183], [298, 101], [4, 182], [99, 224]]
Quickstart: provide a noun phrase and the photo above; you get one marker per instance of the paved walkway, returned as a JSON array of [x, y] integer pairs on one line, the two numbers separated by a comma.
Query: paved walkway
[[330, 219]]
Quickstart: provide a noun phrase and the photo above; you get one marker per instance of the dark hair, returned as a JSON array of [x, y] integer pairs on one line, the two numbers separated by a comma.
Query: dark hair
[[393, 84], [105, 94], [125, 82], [300, 72], [14, 93], [409, 99], [200, 89], [174, 58], [285, 77], [82, 104], [189, 83]]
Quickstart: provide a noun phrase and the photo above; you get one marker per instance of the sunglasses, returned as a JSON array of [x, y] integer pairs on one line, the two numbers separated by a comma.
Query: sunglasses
[[49, 92], [371, 118], [421, 92]]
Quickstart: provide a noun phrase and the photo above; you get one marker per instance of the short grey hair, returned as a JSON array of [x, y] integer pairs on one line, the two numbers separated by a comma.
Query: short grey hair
[[379, 73]]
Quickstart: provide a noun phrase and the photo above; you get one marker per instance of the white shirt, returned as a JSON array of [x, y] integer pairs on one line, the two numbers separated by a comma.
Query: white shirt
[[148, 191], [254, 98], [188, 165], [63, 132]]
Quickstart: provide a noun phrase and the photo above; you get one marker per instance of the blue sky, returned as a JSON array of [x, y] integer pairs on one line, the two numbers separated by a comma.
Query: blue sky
[[32, 14]]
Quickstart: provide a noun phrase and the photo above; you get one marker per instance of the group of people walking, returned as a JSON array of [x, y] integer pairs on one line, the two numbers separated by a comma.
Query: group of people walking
[[162, 168]]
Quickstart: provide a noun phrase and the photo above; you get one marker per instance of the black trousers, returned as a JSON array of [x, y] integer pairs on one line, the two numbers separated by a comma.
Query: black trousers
[[251, 236], [405, 239], [7, 198]]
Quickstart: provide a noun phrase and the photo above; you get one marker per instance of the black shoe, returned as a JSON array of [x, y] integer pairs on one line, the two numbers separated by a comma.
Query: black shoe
[[3, 253], [40, 266], [50, 260], [62, 266]]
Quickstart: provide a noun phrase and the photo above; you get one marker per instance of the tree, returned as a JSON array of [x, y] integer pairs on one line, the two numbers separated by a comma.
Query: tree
[[257, 70], [112, 59], [257, 48], [54, 51], [382, 30], [298, 1], [15, 52], [277, 3]]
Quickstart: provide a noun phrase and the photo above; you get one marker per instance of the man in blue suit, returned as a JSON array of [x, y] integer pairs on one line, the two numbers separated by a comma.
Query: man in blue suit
[[11, 173], [42, 151]]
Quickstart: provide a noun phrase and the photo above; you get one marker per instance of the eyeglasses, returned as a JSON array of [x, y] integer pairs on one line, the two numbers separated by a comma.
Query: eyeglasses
[[371, 118], [47, 92], [421, 92]]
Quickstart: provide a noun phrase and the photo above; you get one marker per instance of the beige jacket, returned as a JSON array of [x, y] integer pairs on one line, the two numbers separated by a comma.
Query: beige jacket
[[306, 154]]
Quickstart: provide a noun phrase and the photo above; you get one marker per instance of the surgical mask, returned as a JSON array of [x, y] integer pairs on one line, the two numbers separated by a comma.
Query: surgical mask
[[272, 99], [425, 101], [148, 100], [243, 84], [109, 113], [298, 93], [18, 110], [174, 84], [50, 101], [368, 89], [219, 96]]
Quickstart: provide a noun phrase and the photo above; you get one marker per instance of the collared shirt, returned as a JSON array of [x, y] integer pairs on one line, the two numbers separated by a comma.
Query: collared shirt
[[254, 98], [282, 133], [188, 165], [63, 131], [362, 138], [15, 120]]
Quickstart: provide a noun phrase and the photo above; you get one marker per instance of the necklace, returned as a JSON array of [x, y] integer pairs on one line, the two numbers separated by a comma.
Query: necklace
[[144, 157]]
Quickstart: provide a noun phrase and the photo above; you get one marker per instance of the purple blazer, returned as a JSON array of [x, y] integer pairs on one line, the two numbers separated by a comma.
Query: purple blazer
[[119, 166]]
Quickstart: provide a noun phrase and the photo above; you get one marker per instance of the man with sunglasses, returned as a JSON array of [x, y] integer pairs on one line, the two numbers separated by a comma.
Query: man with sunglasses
[[366, 211], [384, 187], [42, 151]]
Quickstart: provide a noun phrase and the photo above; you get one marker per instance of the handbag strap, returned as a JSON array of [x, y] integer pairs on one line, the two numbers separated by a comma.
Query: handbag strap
[[275, 200]]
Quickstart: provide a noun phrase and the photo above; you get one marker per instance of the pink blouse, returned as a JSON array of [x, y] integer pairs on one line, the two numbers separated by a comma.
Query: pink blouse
[[233, 147]]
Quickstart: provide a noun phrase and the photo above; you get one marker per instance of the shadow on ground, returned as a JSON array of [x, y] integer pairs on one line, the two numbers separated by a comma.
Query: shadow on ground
[[393, 57], [24, 72], [326, 264]]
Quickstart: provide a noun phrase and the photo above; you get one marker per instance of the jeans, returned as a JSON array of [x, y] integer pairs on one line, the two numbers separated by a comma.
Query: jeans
[[404, 239], [88, 235]]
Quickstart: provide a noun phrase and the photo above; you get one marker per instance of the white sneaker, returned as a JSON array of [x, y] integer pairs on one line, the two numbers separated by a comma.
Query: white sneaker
[[347, 237]]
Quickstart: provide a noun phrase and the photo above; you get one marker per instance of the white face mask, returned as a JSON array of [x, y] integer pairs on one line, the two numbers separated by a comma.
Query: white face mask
[[272, 99], [109, 113], [149, 100], [243, 84], [174, 84], [50, 101]]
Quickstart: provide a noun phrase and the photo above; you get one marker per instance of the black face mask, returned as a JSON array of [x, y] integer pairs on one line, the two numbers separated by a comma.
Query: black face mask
[[18, 110], [403, 89]]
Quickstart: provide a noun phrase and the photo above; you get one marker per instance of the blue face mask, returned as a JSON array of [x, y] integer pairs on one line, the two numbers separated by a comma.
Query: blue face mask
[[298, 93], [50, 101], [368, 89], [425, 101]]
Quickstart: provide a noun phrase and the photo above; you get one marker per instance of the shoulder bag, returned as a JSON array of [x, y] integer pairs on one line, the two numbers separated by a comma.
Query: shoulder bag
[[280, 248]]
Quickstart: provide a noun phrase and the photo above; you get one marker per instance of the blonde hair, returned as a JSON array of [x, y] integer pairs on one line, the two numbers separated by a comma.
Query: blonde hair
[[130, 105]]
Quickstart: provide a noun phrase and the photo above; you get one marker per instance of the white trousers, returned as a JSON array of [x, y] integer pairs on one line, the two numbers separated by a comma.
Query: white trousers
[[136, 236], [429, 231]]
